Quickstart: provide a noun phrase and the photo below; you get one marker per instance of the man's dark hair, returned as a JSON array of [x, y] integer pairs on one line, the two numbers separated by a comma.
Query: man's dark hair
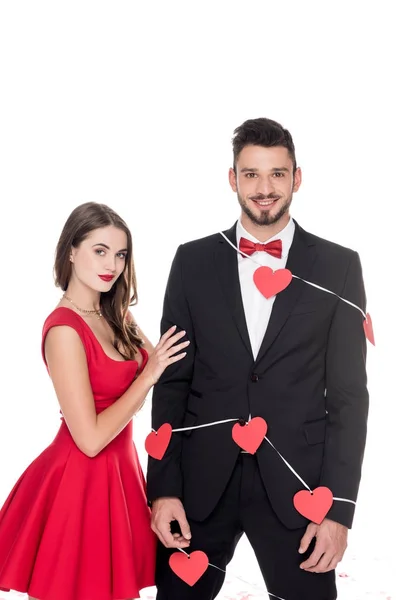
[[262, 132]]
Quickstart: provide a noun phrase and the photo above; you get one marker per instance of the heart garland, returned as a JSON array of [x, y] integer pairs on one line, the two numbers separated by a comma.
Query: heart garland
[[270, 283], [249, 436], [314, 505], [157, 442], [189, 567], [368, 329]]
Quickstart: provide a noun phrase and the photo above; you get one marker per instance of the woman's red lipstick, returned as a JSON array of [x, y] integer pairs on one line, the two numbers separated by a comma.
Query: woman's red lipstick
[[106, 277]]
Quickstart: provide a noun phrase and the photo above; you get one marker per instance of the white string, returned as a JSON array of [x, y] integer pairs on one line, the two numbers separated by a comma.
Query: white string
[[296, 277], [333, 293], [344, 500], [300, 479], [288, 465], [209, 564], [199, 426], [205, 425]]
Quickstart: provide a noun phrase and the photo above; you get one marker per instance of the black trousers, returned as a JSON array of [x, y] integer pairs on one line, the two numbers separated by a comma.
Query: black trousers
[[245, 508]]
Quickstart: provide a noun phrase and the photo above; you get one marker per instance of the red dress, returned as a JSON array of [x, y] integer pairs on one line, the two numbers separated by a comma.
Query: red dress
[[74, 527]]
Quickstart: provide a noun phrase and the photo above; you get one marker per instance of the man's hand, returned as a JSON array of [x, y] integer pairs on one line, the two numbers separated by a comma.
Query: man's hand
[[329, 548], [164, 511]]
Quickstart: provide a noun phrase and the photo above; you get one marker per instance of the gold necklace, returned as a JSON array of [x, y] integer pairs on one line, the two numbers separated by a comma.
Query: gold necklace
[[85, 311]]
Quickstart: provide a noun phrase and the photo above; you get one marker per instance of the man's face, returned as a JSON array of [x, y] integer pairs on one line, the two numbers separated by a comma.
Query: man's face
[[265, 183]]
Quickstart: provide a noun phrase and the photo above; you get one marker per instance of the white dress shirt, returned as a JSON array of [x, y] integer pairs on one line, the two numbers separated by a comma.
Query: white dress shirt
[[257, 308]]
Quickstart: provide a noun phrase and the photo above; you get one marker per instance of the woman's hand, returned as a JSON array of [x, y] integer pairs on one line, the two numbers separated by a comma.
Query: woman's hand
[[165, 354]]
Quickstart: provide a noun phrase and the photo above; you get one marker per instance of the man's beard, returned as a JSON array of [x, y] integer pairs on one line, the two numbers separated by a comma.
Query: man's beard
[[266, 218]]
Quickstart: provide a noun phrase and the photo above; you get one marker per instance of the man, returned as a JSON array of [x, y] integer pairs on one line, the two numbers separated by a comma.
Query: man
[[297, 360]]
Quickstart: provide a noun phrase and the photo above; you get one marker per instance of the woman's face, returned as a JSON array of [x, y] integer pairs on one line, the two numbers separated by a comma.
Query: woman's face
[[100, 258]]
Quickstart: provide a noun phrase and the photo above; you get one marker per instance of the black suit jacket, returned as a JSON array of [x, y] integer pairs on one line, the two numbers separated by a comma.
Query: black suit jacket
[[308, 381]]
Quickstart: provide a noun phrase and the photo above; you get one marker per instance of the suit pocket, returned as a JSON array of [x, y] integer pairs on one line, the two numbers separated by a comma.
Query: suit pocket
[[314, 431], [189, 420]]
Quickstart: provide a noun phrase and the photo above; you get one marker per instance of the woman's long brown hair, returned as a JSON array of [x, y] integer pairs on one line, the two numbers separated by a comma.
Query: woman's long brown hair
[[115, 303]]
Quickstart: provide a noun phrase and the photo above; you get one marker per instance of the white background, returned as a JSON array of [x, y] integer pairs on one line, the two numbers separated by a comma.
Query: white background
[[134, 104]]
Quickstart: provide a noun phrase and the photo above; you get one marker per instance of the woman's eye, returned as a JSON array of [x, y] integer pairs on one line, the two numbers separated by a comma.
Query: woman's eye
[[99, 251], [122, 255]]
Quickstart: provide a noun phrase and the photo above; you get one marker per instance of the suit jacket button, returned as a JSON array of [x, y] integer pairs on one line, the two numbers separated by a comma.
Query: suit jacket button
[[254, 377]]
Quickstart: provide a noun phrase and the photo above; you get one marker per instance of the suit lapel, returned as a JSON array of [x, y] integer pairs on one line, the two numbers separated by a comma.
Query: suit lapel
[[228, 273], [300, 261]]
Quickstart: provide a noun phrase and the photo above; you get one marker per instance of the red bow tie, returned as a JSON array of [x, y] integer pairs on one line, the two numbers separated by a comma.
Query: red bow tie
[[274, 248]]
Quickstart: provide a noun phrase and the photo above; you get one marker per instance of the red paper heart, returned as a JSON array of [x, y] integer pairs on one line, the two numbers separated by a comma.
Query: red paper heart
[[315, 505], [369, 332], [250, 436], [189, 568], [157, 441], [270, 282]]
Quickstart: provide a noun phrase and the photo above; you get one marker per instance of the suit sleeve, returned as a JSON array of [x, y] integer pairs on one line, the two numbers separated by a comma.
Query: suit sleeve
[[346, 398], [164, 477]]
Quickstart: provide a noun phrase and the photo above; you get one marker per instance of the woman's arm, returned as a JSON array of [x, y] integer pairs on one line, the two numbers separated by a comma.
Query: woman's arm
[[67, 364], [68, 368]]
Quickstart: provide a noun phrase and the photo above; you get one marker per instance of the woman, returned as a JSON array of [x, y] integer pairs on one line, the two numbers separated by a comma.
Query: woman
[[76, 525]]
